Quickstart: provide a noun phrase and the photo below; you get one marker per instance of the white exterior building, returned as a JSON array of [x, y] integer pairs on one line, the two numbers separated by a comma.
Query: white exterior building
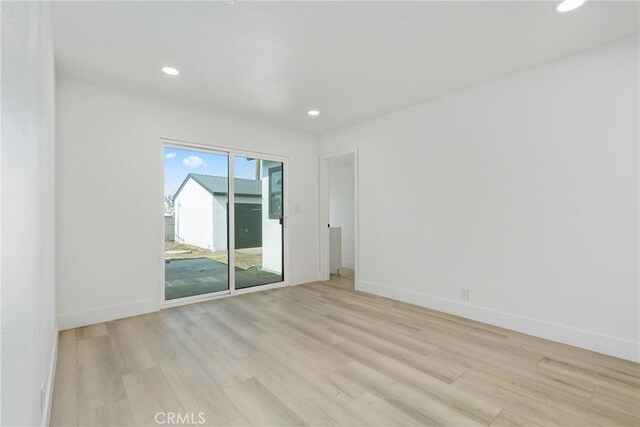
[[201, 214], [201, 210]]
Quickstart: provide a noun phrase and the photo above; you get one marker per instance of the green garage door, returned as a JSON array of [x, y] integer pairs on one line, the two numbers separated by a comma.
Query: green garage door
[[248, 225]]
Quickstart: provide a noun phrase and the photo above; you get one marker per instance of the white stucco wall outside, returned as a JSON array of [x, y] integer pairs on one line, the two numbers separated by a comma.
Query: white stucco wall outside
[[271, 228], [194, 216], [219, 210]]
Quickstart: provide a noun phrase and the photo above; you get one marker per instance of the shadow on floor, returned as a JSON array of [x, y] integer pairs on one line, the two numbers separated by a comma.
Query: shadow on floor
[[197, 276]]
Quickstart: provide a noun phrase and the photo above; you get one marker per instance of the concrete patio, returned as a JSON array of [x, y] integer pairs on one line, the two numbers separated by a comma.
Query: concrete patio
[[197, 276]]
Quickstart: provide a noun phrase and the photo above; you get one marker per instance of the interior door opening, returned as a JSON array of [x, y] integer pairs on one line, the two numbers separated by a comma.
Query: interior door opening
[[342, 215]]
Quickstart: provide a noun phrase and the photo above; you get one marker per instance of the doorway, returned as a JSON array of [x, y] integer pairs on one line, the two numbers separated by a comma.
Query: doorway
[[339, 201], [224, 228]]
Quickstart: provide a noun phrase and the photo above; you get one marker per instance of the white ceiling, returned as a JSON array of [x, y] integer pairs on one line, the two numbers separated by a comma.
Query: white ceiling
[[273, 61]]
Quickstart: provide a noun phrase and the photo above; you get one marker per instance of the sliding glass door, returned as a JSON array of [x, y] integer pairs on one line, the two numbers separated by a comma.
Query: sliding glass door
[[196, 188], [207, 228]]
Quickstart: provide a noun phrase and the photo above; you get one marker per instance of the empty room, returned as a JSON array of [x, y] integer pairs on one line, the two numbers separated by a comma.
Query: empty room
[[320, 213]]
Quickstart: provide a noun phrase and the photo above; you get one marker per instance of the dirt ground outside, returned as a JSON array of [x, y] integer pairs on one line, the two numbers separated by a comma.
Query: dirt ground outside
[[245, 258]]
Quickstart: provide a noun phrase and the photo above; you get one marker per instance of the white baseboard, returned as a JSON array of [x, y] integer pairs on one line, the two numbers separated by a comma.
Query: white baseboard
[[306, 278], [606, 344], [105, 314], [48, 397], [120, 311]]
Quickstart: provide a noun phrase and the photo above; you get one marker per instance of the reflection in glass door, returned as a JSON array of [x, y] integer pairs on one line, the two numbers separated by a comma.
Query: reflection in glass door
[[258, 220], [196, 186]]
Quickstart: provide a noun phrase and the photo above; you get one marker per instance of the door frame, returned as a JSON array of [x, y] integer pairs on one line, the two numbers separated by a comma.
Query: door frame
[[325, 273], [231, 153]]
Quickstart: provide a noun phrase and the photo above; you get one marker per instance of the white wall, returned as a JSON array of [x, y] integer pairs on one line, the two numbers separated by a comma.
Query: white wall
[[29, 330], [110, 167], [220, 214], [524, 190], [194, 216], [341, 203], [271, 228]]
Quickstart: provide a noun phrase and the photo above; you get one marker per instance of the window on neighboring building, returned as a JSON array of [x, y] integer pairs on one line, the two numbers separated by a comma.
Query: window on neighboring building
[[275, 193]]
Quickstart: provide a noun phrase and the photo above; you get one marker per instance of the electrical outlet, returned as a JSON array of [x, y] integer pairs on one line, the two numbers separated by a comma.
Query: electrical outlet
[[464, 294]]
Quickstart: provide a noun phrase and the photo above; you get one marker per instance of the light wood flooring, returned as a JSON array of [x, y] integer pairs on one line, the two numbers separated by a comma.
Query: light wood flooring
[[324, 354]]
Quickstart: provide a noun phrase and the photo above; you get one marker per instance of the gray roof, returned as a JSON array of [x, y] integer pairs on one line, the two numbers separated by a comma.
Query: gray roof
[[218, 185]]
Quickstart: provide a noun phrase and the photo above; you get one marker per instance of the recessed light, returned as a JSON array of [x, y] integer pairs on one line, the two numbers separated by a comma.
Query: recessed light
[[313, 112], [170, 70], [568, 5]]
